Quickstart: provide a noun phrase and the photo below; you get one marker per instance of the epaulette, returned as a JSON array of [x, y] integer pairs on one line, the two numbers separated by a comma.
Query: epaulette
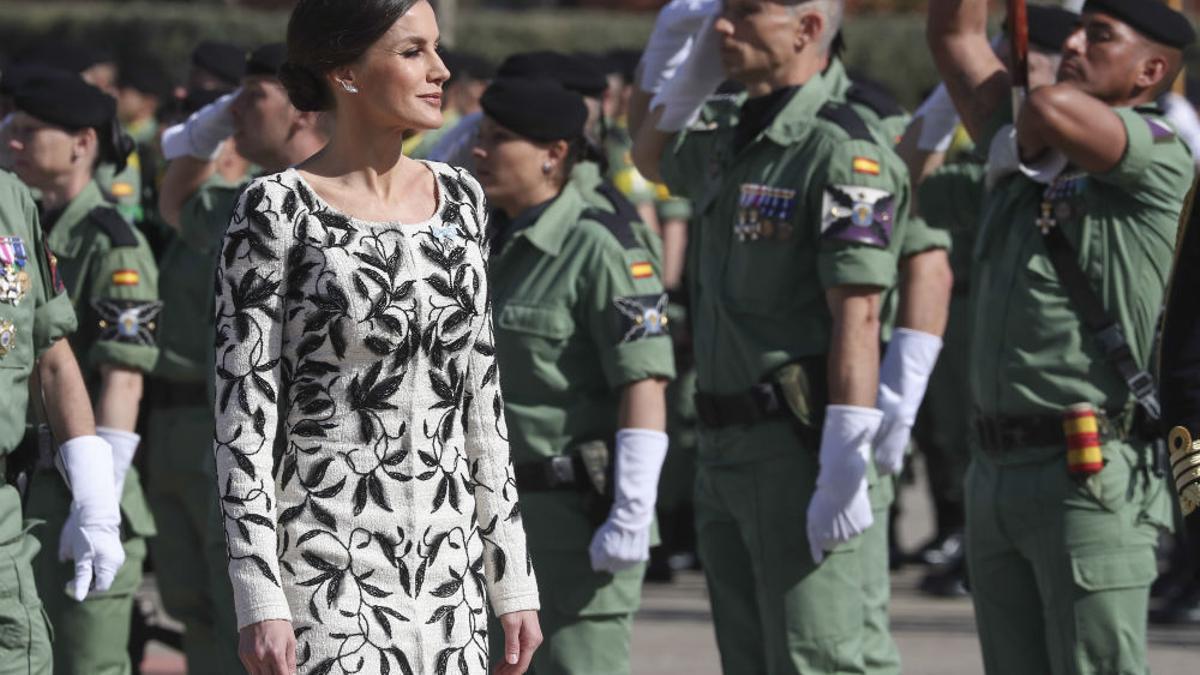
[[850, 121], [619, 202], [619, 225], [118, 230], [879, 101]]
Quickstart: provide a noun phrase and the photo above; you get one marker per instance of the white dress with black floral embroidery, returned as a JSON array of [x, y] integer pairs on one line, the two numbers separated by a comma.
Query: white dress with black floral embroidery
[[362, 457]]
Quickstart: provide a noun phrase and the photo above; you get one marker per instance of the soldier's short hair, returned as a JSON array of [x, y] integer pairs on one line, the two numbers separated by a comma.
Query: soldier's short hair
[[832, 10]]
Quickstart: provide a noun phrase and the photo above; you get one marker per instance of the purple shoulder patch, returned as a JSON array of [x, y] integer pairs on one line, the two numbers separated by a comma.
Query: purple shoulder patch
[[1160, 131], [858, 215]]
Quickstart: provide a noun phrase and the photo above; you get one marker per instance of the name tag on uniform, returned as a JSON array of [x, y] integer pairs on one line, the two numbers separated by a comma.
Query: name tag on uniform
[[860, 215], [764, 213]]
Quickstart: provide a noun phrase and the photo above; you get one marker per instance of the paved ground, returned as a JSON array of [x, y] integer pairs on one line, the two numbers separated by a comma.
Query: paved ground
[[673, 633]]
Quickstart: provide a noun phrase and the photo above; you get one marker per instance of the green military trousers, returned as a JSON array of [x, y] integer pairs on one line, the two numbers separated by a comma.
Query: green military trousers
[[92, 637], [1061, 568], [774, 610], [586, 616], [881, 656], [24, 630], [189, 551]]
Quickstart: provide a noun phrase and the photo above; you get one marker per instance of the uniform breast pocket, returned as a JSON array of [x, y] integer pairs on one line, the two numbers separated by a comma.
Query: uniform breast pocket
[[530, 336], [761, 275]]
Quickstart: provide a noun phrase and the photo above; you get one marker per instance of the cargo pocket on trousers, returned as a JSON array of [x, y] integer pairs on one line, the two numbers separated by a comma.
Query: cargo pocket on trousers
[[1109, 570]]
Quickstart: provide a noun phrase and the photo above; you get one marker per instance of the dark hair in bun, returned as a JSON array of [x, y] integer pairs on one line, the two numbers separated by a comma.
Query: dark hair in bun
[[327, 34]]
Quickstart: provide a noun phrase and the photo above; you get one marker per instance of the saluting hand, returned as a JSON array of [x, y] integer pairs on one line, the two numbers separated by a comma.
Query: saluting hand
[[268, 648], [522, 636]]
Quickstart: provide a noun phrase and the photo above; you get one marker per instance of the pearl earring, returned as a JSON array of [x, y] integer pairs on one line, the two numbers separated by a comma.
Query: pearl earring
[[547, 167], [350, 89]]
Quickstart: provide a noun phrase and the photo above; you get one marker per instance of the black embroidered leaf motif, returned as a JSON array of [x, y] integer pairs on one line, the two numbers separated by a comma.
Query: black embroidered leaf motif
[[378, 345], [447, 589], [324, 667], [290, 205], [317, 473], [337, 338], [309, 429], [291, 514], [323, 516], [452, 187], [331, 491], [401, 660], [443, 661], [263, 567], [499, 562]]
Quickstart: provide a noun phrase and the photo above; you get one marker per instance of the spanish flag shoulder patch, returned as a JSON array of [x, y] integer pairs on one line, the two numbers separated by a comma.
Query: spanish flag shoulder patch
[[866, 165], [126, 278], [641, 270]]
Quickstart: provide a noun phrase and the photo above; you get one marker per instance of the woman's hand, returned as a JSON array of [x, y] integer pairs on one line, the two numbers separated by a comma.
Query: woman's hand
[[522, 635], [269, 647]]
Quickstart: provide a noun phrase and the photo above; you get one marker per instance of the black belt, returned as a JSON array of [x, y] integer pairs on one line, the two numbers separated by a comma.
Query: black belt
[[998, 435], [760, 403], [172, 394], [561, 473]]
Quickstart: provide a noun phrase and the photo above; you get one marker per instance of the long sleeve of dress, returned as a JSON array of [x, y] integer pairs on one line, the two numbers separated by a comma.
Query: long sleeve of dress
[[249, 335], [511, 582]]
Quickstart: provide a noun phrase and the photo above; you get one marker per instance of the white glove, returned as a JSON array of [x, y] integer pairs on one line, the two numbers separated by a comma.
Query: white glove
[[1004, 158], [671, 41], [939, 119], [903, 377], [92, 534], [840, 509], [124, 446], [203, 133], [683, 96], [624, 539]]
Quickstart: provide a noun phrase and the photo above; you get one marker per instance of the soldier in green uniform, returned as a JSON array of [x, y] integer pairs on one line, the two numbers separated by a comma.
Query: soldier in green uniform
[[196, 201], [62, 130], [35, 316], [1064, 505], [800, 217], [581, 337]]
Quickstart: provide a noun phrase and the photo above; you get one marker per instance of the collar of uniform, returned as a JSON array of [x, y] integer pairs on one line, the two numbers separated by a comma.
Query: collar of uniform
[[550, 229], [837, 80], [791, 122], [75, 213], [586, 175]]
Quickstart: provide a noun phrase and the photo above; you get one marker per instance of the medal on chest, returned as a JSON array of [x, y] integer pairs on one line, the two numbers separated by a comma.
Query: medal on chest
[[14, 279], [764, 213], [8, 337], [1062, 200]]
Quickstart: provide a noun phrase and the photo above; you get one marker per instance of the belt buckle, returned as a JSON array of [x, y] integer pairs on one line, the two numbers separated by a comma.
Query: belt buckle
[[560, 471]]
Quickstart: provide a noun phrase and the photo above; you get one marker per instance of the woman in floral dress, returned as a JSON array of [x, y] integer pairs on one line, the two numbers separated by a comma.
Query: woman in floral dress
[[368, 498]]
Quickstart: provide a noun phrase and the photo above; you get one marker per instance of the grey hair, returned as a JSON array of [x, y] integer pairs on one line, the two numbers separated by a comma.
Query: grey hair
[[832, 10]]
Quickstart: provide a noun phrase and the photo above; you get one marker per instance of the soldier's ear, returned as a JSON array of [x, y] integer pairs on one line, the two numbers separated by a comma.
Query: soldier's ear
[[810, 27]]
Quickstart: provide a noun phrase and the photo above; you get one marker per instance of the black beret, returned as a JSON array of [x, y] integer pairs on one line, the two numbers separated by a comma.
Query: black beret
[[66, 101], [67, 56], [144, 76], [227, 62], [538, 109], [1151, 18], [266, 60], [573, 72], [468, 65], [1049, 27], [16, 76], [624, 62]]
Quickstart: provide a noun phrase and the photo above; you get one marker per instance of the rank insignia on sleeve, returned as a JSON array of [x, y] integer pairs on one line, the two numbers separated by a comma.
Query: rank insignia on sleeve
[[126, 278], [764, 213], [14, 279], [8, 337], [128, 321], [641, 316], [866, 165], [641, 270], [859, 215]]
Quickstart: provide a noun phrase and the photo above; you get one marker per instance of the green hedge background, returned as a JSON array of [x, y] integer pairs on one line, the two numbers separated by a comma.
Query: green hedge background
[[887, 47]]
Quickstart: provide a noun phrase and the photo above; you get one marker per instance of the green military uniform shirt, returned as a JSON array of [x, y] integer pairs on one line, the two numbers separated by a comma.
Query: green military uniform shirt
[[35, 311], [113, 281], [1031, 355], [579, 313], [803, 207], [951, 200], [185, 335], [599, 194]]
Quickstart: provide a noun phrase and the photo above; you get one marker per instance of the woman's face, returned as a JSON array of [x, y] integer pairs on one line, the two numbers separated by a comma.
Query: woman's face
[[507, 166], [400, 77]]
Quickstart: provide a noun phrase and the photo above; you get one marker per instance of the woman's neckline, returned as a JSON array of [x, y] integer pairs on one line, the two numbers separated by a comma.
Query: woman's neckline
[[438, 199]]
